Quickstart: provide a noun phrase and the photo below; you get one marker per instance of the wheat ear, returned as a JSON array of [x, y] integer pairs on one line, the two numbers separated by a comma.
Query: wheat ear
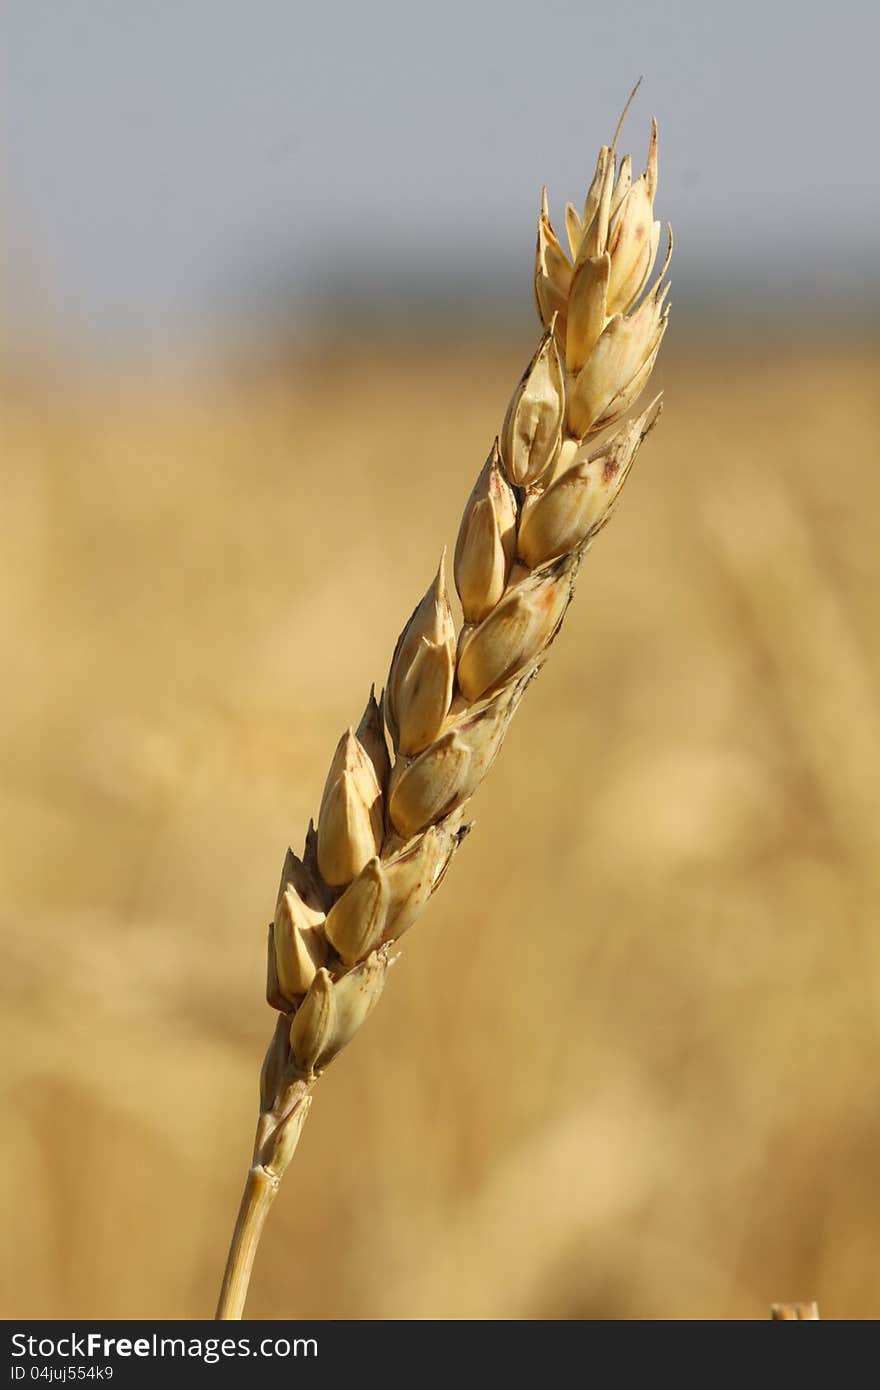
[[388, 826]]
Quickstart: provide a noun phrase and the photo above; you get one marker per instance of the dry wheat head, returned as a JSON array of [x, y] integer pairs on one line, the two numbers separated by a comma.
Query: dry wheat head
[[390, 821]]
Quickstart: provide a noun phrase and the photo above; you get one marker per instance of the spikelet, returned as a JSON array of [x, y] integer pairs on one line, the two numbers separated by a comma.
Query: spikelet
[[439, 780], [581, 500], [587, 314], [300, 945], [486, 541], [422, 670], [357, 920], [515, 633], [532, 430], [619, 366], [634, 237], [312, 1029], [388, 895], [350, 825], [356, 994], [297, 945], [414, 873], [333, 1011]]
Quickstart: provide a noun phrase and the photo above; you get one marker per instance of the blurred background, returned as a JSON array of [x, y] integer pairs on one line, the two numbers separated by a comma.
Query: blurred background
[[265, 291]]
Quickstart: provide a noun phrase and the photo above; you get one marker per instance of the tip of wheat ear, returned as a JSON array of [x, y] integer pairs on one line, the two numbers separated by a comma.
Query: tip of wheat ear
[[391, 819]]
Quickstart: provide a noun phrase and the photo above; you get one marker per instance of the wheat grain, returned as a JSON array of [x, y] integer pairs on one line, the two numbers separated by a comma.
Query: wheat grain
[[387, 830]]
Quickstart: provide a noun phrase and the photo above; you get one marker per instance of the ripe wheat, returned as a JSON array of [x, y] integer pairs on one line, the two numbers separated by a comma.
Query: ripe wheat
[[388, 826]]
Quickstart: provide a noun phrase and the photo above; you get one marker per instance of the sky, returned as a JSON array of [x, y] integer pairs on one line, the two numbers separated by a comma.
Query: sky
[[170, 172]]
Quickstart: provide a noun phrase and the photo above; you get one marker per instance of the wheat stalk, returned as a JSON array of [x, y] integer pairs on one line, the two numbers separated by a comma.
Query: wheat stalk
[[794, 1312], [388, 827]]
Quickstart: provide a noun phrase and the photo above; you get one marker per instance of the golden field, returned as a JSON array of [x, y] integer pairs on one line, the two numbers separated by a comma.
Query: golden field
[[627, 1065]]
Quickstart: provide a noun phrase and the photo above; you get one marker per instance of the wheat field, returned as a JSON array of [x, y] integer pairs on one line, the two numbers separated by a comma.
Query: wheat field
[[624, 1068]]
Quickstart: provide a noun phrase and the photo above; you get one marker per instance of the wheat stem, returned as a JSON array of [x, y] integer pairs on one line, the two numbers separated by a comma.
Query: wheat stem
[[256, 1200], [794, 1312]]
